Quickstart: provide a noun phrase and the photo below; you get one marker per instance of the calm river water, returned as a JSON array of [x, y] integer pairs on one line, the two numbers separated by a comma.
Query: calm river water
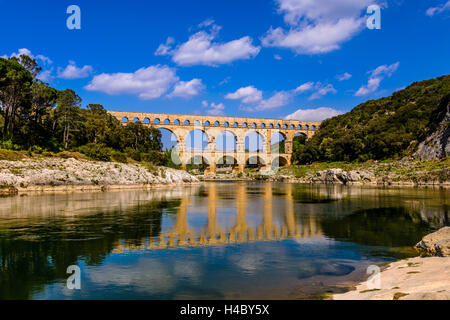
[[212, 241]]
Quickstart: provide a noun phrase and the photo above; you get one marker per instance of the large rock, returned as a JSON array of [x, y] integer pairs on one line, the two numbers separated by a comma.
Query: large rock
[[437, 142], [436, 243], [339, 176]]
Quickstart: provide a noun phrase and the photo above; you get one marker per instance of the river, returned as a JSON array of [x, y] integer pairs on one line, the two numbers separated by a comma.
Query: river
[[223, 240]]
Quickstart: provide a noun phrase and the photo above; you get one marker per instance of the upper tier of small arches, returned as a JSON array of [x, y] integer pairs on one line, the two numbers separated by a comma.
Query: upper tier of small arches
[[224, 124]]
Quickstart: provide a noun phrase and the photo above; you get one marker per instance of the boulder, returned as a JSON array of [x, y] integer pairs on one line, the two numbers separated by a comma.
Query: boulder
[[339, 176], [436, 243]]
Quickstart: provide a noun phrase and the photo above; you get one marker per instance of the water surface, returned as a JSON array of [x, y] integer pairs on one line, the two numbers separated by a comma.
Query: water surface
[[213, 241]]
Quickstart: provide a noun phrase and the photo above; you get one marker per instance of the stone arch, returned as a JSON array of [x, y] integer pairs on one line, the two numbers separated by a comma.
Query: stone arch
[[278, 142], [124, 120], [176, 122], [187, 122], [278, 162], [135, 119], [198, 163], [254, 141], [223, 144], [157, 121], [254, 161], [166, 121], [146, 121], [196, 139], [207, 123]]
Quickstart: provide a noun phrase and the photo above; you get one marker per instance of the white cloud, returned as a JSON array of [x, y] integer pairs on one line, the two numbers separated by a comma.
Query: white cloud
[[201, 49], [319, 89], [322, 90], [164, 48], [45, 76], [375, 78], [318, 26], [73, 72], [149, 83], [305, 87], [278, 100], [277, 57], [318, 114], [438, 10], [248, 95], [27, 52], [187, 89], [214, 109], [343, 77], [253, 98]]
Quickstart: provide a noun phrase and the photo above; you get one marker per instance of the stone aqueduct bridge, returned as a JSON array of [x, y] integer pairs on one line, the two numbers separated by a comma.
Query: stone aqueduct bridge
[[181, 125]]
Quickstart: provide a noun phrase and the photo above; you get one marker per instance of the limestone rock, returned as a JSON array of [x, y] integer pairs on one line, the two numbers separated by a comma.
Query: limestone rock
[[436, 243], [437, 143], [339, 176]]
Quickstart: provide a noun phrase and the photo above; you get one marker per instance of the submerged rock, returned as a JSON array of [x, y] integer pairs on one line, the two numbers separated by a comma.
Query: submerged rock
[[436, 243]]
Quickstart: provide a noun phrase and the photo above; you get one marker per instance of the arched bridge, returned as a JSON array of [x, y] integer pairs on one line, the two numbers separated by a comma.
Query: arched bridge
[[213, 126]]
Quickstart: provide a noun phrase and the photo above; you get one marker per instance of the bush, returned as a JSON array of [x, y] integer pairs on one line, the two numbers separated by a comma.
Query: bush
[[97, 151], [119, 157], [154, 157], [133, 154]]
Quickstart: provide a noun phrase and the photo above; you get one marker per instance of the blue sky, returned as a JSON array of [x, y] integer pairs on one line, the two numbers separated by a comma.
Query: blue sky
[[260, 58]]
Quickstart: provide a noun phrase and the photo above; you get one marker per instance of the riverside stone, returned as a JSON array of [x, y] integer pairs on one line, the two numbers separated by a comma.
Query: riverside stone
[[73, 172], [436, 243]]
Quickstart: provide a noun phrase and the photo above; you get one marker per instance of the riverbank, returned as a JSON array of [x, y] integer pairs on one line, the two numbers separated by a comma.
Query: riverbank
[[404, 173], [420, 278], [65, 175]]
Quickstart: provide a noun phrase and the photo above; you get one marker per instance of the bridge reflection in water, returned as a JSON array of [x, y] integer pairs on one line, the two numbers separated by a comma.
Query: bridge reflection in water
[[281, 227]]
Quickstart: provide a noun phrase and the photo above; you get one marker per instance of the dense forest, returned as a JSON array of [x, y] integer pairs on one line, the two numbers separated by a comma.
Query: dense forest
[[37, 117], [387, 128]]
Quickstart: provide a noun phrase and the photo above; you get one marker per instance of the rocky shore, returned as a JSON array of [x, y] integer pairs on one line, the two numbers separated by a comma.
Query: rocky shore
[[422, 278], [46, 174]]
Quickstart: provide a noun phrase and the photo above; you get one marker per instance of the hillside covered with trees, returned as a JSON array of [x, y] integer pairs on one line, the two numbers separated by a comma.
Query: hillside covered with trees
[[387, 128], [39, 118]]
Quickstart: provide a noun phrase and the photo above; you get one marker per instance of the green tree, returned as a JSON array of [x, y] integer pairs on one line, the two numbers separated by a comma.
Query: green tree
[[68, 114], [15, 82]]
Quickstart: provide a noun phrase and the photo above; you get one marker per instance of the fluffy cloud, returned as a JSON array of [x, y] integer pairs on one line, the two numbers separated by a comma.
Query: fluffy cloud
[[305, 87], [148, 83], [343, 77], [27, 52], [214, 109], [187, 89], [318, 114], [164, 48], [375, 78], [318, 26], [278, 100], [201, 49], [253, 98], [319, 90], [439, 9], [322, 90], [248, 95], [73, 72]]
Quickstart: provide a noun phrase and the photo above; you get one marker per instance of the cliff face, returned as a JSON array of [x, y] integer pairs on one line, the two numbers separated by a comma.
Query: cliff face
[[437, 143]]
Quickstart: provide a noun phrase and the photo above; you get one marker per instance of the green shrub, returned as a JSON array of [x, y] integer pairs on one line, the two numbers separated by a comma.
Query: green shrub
[[154, 157], [37, 149], [133, 154], [119, 157], [97, 151]]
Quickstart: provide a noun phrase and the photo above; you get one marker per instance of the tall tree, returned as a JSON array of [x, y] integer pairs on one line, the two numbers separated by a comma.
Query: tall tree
[[67, 113], [15, 83]]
